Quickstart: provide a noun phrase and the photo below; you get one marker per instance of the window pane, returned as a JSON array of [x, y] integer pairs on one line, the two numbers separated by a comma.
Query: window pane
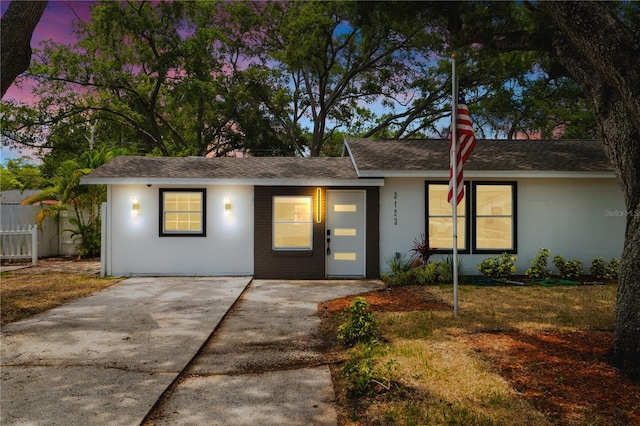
[[292, 209], [344, 208], [493, 200], [292, 226], [438, 205], [344, 232], [183, 212], [494, 233], [441, 233], [344, 256], [292, 235]]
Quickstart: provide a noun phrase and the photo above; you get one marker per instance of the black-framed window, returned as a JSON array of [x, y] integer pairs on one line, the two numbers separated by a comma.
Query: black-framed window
[[439, 218], [183, 212], [494, 217], [487, 218]]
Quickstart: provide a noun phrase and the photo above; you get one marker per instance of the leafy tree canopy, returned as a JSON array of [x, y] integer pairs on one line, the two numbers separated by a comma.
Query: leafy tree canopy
[[274, 78]]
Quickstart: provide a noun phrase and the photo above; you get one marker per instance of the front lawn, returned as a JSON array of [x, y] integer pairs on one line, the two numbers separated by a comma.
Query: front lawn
[[530, 355]]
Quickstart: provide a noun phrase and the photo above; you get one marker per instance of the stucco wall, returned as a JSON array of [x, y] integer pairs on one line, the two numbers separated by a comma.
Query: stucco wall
[[577, 218], [134, 246]]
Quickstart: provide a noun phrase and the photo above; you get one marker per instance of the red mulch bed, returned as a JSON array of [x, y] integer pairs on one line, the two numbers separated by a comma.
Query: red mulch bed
[[564, 375], [394, 299]]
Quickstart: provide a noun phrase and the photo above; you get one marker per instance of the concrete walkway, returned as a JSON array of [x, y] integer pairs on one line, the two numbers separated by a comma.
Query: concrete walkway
[[264, 365], [109, 358], [106, 359]]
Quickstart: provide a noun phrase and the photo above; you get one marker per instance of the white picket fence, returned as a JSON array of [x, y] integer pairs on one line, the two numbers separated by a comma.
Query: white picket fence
[[19, 242], [54, 238]]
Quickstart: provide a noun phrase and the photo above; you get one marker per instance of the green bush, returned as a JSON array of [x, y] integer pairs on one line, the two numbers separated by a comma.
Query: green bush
[[539, 270], [568, 269], [603, 270], [360, 326], [401, 271], [364, 373], [499, 267], [446, 270], [399, 264], [88, 235], [612, 269], [598, 268], [428, 274]]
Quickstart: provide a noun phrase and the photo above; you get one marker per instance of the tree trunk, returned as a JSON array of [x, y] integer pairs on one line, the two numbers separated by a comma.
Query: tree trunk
[[602, 56], [317, 139], [17, 27]]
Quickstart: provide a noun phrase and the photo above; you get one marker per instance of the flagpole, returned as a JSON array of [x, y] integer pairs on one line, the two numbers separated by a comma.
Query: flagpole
[[454, 162]]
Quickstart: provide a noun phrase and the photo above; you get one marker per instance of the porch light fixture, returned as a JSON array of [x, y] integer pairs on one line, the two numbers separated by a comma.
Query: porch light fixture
[[135, 206], [318, 205], [227, 206]]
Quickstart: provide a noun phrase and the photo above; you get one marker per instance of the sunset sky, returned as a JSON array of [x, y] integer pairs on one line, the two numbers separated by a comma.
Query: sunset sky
[[55, 24]]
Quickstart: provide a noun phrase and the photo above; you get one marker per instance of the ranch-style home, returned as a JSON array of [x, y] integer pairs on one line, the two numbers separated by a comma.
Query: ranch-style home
[[313, 218]]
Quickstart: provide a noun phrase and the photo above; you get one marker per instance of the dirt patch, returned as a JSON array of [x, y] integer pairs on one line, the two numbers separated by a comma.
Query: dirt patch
[[564, 375], [63, 265], [30, 290]]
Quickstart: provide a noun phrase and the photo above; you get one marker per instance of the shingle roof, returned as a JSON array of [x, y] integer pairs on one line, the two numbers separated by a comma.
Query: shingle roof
[[372, 158], [226, 168], [489, 155]]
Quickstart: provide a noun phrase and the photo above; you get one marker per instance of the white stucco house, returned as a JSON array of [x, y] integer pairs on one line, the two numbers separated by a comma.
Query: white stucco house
[[312, 218]]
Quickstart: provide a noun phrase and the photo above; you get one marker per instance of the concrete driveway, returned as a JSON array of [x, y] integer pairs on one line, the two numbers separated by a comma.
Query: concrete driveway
[[111, 357]]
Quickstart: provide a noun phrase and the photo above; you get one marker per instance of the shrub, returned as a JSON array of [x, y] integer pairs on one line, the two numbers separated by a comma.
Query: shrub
[[399, 264], [499, 267], [88, 235], [422, 249], [603, 270], [360, 326], [365, 374], [446, 269], [539, 270], [613, 269], [427, 274], [568, 269], [401, 273], [598, 268]]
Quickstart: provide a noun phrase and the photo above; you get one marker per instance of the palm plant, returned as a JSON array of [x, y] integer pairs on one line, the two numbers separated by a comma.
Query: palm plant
[[85, 200]]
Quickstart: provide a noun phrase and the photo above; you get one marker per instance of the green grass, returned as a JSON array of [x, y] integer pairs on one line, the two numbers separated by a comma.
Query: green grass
[[442, 380]]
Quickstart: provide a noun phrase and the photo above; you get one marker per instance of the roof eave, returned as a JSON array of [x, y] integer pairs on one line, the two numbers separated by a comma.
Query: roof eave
[[221, 182], [488, 174]]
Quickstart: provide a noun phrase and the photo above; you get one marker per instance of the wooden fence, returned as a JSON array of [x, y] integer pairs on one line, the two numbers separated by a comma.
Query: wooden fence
[[19, 242]]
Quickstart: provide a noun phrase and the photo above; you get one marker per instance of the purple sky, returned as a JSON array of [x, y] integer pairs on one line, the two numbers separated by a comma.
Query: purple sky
[[55, 24]]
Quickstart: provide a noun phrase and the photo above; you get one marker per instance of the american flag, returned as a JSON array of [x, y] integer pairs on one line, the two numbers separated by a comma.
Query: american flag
[[465, 144]]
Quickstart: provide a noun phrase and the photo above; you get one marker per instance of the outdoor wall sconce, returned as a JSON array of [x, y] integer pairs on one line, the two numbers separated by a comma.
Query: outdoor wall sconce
[[318, 205], [135, 206], [227, 206]]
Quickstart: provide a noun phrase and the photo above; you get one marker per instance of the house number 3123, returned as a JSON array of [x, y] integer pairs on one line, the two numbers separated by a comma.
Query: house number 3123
[[395, 208]]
